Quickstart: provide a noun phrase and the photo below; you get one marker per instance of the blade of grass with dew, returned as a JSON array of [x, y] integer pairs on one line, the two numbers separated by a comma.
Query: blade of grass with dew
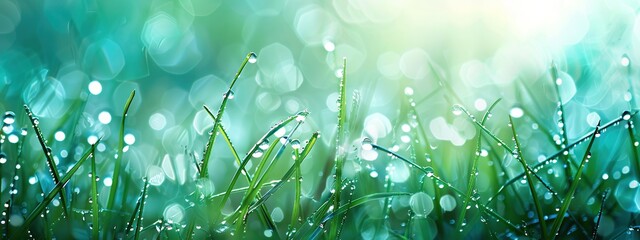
[[340, 149], [296, 199], [265, 217], [634, 142], [430, 173], [95, 229], [313, 220], [595, 228], [532, 187], [240, 212], [287, 175], [51, 195], [143, 199], [474, 169], [132, 219], [502, 144], [561, 123], [243, 189], [253, 192], [118, 164], [253, 149], [50, 162], [572, 189], [212, 138]]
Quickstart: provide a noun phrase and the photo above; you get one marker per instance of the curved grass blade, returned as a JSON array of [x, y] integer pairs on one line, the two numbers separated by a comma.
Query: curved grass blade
[[259, 179], [132, 219], [340, 149], [204, 171], [572, 189], [51, 195], [118, 164], [474, 169], [532, 188], [265, 217], [95, 229], [352, 204], [634, 147], [50, 162], [253, 150]]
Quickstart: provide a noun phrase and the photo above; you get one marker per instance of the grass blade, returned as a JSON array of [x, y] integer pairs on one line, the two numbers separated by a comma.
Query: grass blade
[[572, 189], [51, 195], [95, 229], [118, 164], [265, 217], [143, 198], [532, 187], [255, 148], [595, 228], [340, 149], [474, 168], [296, 199], [204, 171], [48, 154], [287, 175]]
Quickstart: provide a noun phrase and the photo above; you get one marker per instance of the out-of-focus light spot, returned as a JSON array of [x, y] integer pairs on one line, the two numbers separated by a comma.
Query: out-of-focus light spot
[[104, 117], [157, 121], [59, 136], [593, 118], [156, 175], [480, 104], [103, 59], [92, 139], [268, 102], [516, 112], [414, 64], [408, 91], [448, 202], [277, 215], [624, 61], [13, 138], [174, 213], [107, 182], [377, 125], [95, 87], [312, 24], [33, 180], [129, 139], [421, 204], [328, 45]]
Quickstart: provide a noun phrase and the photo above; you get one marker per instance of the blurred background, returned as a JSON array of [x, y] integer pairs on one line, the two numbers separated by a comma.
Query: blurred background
[[76, 62]]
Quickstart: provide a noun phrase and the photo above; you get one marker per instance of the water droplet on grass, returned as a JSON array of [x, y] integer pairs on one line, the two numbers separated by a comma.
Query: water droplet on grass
[[626, 115], [367, 144], [295, 144], [516, 112], [231, 95], [253, 58], [9, 117], [456, 109], [625, 61]]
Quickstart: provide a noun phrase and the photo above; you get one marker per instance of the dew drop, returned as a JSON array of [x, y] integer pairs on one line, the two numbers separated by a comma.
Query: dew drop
[[231, 95], [626, 115], [295, 144], [253, 58], [258, 153], [367, 144], [9, 117]]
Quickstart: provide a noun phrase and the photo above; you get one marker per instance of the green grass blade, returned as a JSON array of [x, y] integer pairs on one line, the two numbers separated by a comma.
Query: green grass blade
[[265, 217], [132, 219], [296, 199], [51, 195], [595, 228], [561, 121], [118, 164], [48, 154], [255, 148], [287, 175], [207, 152], [340, 149], [532, 187], [143, 199], [572, 189], [95, 229], [474, 168]]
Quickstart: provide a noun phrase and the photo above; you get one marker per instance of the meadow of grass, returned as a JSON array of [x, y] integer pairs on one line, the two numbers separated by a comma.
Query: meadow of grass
[[363, 188]]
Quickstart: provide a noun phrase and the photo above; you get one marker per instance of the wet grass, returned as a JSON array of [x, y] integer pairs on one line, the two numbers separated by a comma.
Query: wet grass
[[438, 197]]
